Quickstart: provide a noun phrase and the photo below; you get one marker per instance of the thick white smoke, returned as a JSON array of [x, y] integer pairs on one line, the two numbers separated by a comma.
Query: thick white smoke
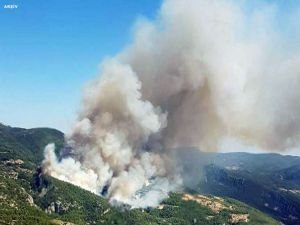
[[109, 139], [202, 71]]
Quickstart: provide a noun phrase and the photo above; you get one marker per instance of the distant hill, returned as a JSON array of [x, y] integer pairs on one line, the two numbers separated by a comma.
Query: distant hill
[[268, 182], [29, 197]]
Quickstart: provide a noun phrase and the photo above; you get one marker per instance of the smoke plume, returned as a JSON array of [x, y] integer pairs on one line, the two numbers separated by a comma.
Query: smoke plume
[[202, 71]]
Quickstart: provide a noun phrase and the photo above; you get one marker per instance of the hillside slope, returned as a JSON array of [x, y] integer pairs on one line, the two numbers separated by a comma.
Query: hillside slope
[[29, 197], [27, 144], [268, 182]]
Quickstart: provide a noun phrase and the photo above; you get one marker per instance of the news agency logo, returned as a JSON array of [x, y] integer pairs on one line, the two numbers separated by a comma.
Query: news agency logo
[[10, 6]]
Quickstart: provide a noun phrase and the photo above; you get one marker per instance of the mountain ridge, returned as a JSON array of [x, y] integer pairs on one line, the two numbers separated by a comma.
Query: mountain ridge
[[39, 199]]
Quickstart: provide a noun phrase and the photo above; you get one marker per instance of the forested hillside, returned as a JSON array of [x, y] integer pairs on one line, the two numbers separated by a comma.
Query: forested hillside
[[29, 197]]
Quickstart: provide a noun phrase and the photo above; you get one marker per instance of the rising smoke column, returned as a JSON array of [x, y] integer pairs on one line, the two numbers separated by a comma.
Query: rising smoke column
[[201, 71], [108, 139]]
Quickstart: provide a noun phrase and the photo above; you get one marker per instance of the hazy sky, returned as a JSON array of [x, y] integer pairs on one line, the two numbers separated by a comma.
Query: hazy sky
[[49, 49]]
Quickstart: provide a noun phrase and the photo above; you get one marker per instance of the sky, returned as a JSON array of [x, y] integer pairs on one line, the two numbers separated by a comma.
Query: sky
[[50, 49]]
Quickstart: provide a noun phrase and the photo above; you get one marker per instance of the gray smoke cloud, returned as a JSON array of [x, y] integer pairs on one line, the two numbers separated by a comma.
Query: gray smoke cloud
[[202, 71]]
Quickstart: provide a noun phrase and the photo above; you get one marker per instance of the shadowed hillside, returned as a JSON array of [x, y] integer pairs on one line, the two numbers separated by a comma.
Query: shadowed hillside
[[269, 182]]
